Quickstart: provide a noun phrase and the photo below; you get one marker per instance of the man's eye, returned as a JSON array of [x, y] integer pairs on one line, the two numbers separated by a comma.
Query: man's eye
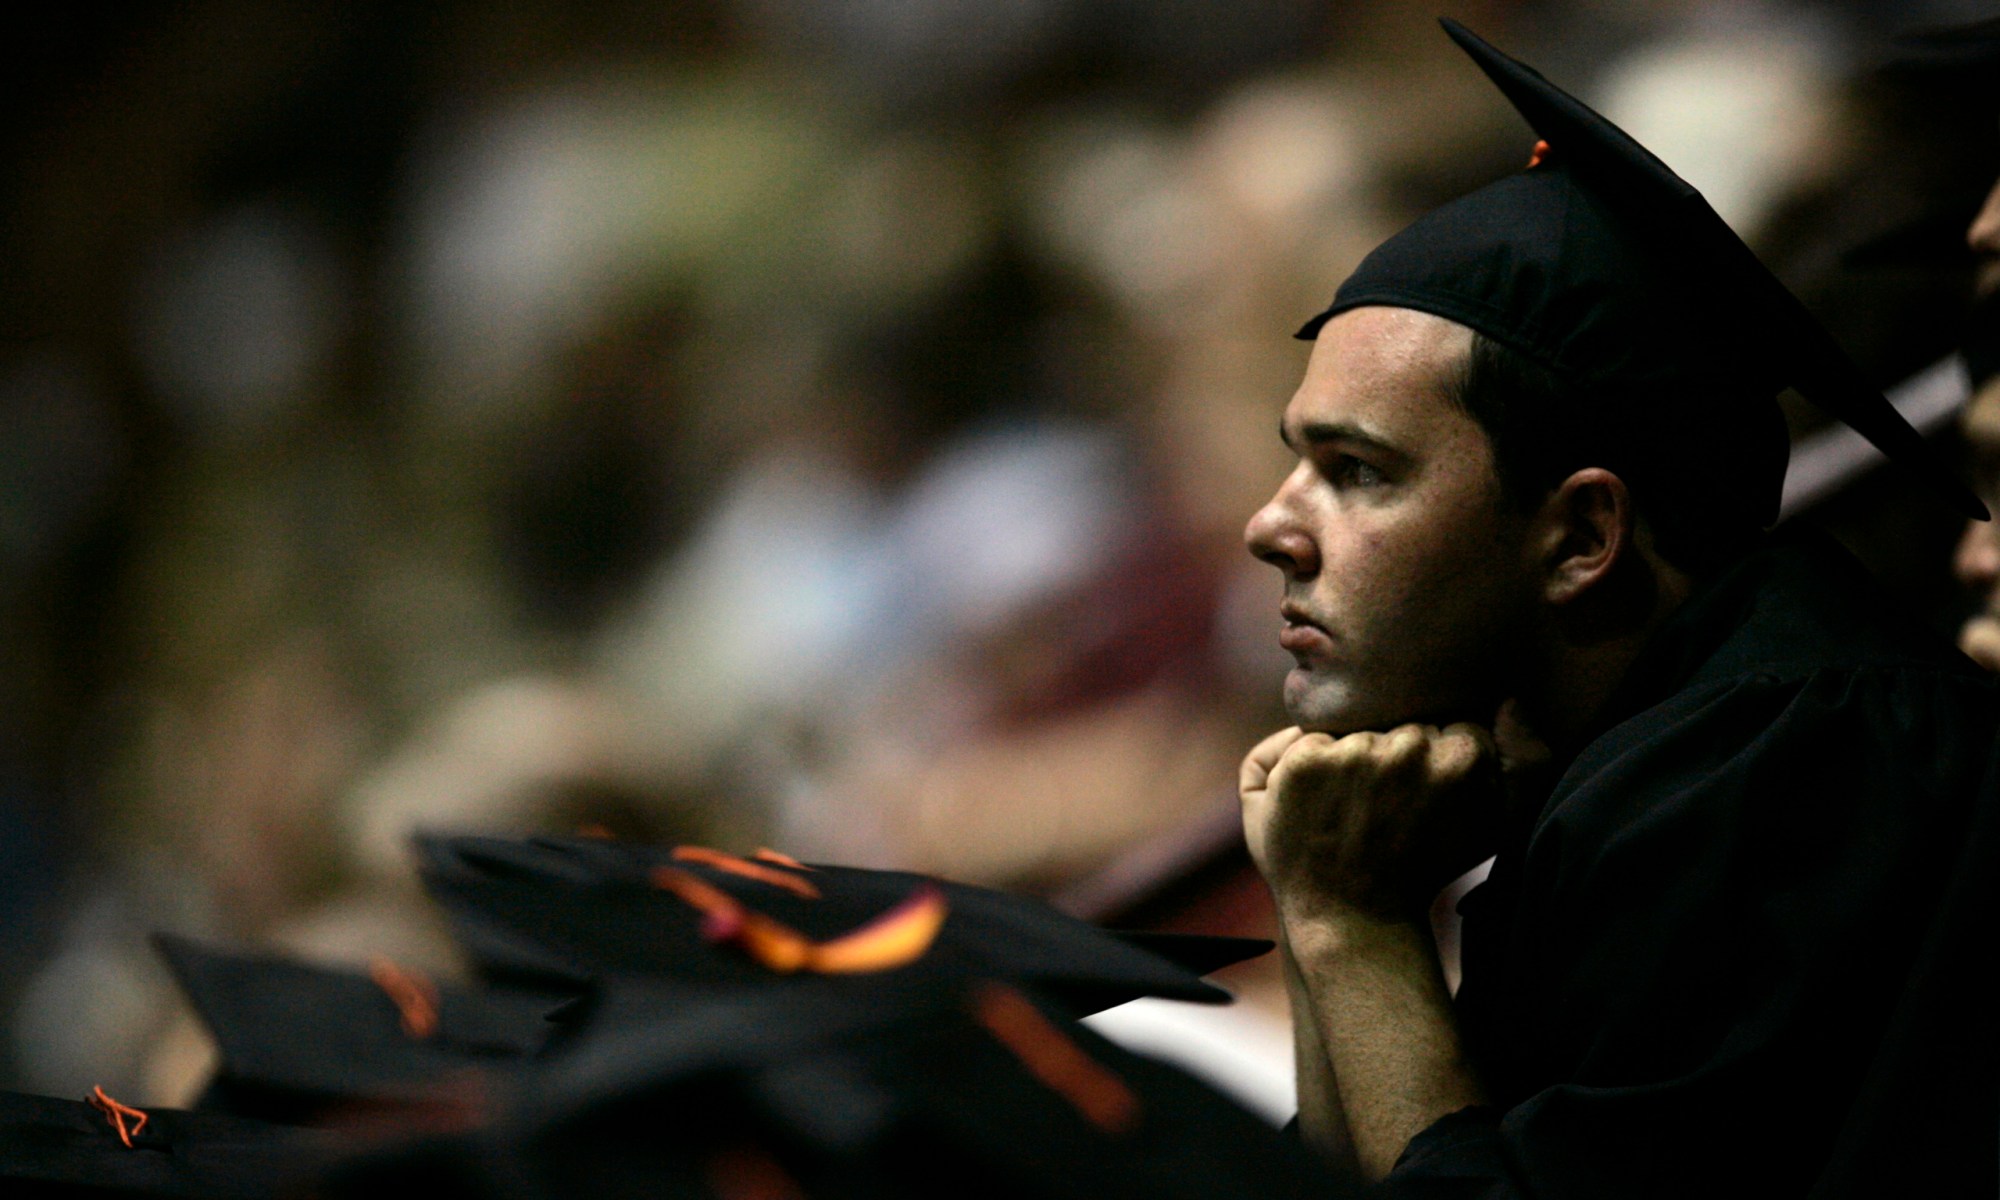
[[1348, 471]]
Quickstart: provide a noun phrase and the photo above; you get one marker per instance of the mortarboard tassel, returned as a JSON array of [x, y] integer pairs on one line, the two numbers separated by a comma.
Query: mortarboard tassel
[[749, 870], [896, 938], [784, 860], [116, 1112], [1053, 1058], [747, 1173], [414, 996]]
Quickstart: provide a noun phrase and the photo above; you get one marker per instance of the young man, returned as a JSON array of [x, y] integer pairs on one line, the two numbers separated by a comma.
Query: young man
[[1734, 945]]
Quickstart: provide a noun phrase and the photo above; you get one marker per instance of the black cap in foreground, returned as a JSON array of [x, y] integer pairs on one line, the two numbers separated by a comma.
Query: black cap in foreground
[[700, 917], [53, 1147], [1601, 265], [306, 1044], [897, 1085]]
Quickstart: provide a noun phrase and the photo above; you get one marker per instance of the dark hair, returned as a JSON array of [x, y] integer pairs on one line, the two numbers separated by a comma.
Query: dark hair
[[1703, 470]]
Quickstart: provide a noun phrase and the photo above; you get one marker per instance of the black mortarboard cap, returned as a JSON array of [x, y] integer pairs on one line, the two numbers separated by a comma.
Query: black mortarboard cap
[[590, 908], [1974, 43], [896, 1085], [1604, 267], [304, 1043], [1965, 58], [52, 1147]]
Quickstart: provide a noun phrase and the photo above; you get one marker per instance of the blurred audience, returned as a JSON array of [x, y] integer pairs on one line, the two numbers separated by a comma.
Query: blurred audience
[[745, 422]]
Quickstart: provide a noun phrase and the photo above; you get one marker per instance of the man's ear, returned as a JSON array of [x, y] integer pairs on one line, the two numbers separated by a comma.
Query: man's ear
[[1584, 528]]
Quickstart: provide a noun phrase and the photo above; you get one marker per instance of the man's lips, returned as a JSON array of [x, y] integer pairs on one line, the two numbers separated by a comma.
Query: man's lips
[[1302, 634]]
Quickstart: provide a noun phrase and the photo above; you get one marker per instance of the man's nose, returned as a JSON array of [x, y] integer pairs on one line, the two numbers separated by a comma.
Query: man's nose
[[1276, 535], [1976, 562]]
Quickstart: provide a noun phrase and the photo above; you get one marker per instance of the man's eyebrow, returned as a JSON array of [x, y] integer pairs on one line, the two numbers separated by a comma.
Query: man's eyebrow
[[1319, 433]]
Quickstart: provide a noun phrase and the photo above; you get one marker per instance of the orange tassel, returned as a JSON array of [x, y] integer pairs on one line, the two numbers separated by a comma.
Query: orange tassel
[[414, 996], [747, 1173], [897, 937], [784, 860], [747, 869], [1060, 1064], [116, 1114], [901, 935]]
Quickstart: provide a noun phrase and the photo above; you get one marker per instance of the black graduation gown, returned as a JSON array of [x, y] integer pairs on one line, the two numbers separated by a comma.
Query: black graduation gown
[[1742, 948]]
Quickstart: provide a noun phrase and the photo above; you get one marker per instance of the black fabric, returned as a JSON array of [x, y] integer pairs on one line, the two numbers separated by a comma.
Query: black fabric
[[1602, 265], [53, 1147], [884, 1087], [1744, 945]]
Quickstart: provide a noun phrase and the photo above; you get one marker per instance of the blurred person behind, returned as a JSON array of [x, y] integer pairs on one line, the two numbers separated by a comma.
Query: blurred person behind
[[1976, 48]]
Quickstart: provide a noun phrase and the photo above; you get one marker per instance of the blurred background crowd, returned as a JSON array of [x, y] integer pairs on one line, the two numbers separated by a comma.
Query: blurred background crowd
[[825, 424]]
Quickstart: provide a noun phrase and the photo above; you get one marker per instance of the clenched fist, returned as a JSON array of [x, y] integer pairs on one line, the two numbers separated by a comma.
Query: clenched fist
[[1369, 823]]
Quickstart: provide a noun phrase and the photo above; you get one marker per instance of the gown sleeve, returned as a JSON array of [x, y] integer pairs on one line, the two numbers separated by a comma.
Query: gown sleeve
[[1740, 954]]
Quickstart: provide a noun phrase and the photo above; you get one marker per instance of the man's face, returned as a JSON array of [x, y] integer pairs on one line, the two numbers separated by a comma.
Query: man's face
[[1406, 574]]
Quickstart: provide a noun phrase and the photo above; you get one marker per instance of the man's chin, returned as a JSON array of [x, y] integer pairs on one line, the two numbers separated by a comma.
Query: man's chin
[[1317, 708], [1312, 709]]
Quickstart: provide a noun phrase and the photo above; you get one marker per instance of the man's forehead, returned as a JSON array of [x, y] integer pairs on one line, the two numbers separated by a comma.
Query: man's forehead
[[1378, 369]]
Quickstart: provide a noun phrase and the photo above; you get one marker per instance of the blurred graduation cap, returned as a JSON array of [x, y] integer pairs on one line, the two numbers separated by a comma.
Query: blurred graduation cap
[[573, 910], [897, 1085], [1975, 44], [307, 1044], [1961, 61], [1601, 265], [52, 1147]]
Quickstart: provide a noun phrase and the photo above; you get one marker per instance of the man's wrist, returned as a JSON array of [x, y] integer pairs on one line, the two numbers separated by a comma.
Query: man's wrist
[[1327, 932]]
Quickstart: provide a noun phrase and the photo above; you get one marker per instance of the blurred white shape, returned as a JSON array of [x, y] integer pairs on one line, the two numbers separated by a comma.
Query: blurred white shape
[[1006, 518], [1284, 149], [529, 223], [775, 591], [1122, 200], [1743, 111], [1448, 928], [235, 318], [1242, 1051], [487, 763], [803, 586], [90, 1011]]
